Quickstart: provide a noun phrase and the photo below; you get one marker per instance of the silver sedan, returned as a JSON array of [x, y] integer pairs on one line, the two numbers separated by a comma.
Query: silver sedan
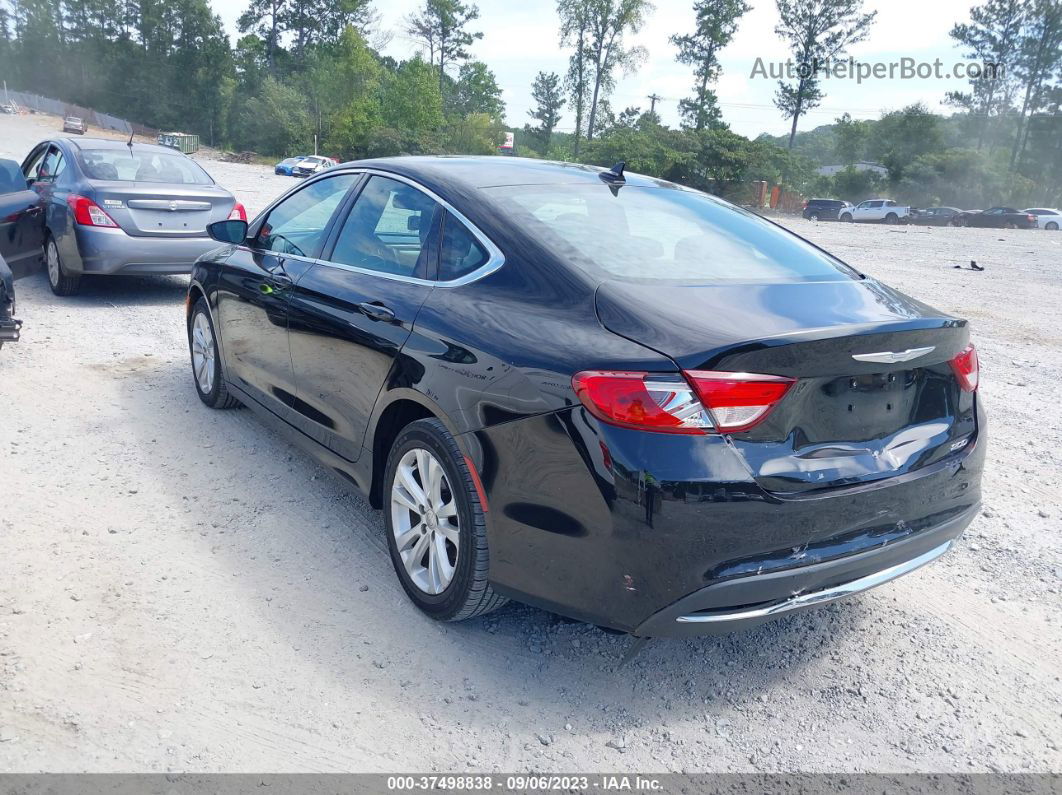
[[117, 208]]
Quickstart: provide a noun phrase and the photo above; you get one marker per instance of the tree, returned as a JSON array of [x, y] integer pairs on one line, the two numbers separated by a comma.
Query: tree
[[717, 21], [322, 22], [609, 21], [851, 137], [343, 89], [266, 19], [1039, 56], [412, 102], [904, 135], [574, 32], [441, 26], [993, 37], [817, 31], [546, 93], [477, 91]]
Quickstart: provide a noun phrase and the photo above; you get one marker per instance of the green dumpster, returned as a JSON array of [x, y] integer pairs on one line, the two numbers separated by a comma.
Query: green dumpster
[[182, 142]]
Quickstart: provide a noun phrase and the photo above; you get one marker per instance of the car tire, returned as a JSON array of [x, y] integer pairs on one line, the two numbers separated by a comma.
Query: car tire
[[1010, 225], [891, 218], [206, 360], [61, 282], [813, 217], [846, 218], [443, 567], [1052, 226], [958, 222]]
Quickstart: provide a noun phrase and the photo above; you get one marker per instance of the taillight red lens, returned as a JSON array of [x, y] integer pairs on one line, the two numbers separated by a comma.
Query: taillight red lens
[[967, 369], [87, 212], [645, 401], [738, 401], [239, 213]]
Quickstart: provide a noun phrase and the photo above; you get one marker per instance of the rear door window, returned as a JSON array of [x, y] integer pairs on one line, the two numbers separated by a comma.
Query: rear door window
[[390, 230]]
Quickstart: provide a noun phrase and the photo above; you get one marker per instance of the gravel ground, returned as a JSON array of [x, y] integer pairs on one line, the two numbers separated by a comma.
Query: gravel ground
[[182, 590]]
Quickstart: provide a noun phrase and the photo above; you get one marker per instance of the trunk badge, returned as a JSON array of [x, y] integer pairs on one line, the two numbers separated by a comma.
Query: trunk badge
[[890, 357]]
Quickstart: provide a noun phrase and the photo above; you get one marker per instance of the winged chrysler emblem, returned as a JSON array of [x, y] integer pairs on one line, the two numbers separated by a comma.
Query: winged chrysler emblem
[[893, 356]]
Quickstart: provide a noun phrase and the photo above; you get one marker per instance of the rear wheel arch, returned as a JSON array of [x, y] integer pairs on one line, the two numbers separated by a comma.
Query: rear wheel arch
[[399, 413]]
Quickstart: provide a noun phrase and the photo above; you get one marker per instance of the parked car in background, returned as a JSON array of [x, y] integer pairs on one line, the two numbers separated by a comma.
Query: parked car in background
[[1046, 218], [877, 210], [312, 165], [285, 166], [934, 216], [600, 393], [825, 209], [74, 124], [996, 218], [21, 221], [117, 208], [8, 108]]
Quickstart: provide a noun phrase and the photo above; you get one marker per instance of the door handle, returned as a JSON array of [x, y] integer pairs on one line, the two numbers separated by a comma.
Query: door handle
[[376, 311]]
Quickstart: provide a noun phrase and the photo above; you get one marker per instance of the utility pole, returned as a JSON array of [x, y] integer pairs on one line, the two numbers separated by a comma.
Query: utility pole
[[653, 99]]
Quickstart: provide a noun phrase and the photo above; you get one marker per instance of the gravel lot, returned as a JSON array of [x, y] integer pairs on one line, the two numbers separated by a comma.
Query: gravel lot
[[182, 590]]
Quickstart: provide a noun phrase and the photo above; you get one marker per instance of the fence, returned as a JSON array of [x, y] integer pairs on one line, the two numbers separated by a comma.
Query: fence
[[57, 107]]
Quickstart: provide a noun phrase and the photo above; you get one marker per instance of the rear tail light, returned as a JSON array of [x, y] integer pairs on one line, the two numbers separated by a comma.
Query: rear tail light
[[87, 212], [701, 402], [1031, 217], [239, 213], [738, 401], [642, 400], [967, 369]]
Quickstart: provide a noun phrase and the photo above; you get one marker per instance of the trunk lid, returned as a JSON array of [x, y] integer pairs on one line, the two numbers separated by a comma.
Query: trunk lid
[[152, 209], [847, 420]]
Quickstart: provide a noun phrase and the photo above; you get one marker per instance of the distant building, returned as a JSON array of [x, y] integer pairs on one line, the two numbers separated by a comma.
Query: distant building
[[862, 165]]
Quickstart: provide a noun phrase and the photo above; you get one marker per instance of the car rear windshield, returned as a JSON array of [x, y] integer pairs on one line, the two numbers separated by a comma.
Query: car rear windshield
[[123, 165], [652, 234]]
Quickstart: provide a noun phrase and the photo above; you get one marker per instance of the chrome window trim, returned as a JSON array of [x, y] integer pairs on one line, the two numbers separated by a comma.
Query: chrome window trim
[[495, 257]]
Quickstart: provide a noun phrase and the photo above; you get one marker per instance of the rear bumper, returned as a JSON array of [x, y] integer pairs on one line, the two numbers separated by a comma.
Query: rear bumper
[[745, 602], [112, 251], [634, 531]]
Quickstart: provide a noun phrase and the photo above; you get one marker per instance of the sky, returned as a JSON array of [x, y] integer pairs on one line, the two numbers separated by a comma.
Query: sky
[[520, 39]]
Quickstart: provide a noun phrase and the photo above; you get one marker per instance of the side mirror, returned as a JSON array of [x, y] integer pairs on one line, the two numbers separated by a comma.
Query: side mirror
[[234, 232]]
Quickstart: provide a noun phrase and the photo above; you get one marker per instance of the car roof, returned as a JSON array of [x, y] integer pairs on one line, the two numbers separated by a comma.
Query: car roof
[[110, 143], [495, 171]]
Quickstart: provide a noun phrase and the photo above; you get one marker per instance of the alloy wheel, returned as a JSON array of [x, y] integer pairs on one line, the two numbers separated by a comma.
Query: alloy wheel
[[203, 352], [52, 256], [425, 521]]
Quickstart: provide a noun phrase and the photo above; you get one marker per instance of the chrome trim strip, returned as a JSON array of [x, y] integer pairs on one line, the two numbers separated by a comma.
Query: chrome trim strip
[[822, 597]]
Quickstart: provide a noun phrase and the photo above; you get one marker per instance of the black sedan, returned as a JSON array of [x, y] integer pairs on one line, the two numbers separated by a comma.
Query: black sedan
[[602, 394], [996, 218], [935, 216], [21, 242]]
